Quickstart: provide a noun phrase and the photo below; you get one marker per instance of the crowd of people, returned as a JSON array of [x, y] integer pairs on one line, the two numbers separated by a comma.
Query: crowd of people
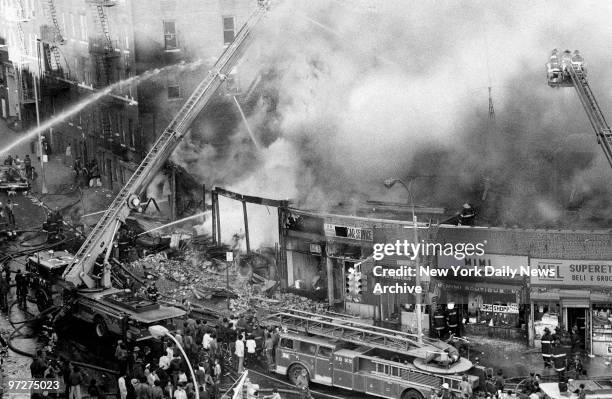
[[159, 370], [87, 174]]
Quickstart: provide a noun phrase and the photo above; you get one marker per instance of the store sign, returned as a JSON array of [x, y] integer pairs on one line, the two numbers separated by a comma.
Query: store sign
[[572, 272], [484, 262], [480, 288], [354, 233], [510, 308]]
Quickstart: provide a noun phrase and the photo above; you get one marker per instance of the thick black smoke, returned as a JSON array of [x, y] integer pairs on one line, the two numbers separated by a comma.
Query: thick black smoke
[[353, 98]]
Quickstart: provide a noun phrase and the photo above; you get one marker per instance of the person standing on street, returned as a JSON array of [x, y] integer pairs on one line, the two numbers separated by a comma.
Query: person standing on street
[[22, 286], [75, 379], [4, 291], [28, 166], [9, 212], [239, 352], [465, 388], [122, 386], [68, 159]]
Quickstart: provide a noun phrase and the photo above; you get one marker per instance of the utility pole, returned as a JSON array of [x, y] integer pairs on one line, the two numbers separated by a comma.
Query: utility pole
[[43, 189], [417, 280]]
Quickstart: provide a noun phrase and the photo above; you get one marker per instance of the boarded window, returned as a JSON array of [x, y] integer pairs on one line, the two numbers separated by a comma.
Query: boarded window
[[229, 29]]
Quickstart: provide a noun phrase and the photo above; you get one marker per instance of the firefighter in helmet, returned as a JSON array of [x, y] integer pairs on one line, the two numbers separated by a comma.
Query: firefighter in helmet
[[439, 322], [452, 319], [547, 347], [559, 357], [467, 215]]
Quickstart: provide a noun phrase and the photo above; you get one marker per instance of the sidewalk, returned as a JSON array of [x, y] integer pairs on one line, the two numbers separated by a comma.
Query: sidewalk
[[517, 359]]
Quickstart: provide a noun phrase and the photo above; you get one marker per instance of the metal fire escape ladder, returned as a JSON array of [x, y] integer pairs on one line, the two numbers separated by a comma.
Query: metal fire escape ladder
[[59, 38], [601, 127], [360, 333], [78, 273]]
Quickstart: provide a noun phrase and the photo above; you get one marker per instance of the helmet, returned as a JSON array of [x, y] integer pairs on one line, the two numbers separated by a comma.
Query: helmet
[[466, 206], [445, 386]]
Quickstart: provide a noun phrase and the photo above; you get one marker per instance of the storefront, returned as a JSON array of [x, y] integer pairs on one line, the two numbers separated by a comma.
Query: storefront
[[575, 295], [321, 250], [489, 301]]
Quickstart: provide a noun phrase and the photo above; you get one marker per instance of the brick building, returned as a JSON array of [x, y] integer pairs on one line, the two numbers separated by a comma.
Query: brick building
[[78, 47]]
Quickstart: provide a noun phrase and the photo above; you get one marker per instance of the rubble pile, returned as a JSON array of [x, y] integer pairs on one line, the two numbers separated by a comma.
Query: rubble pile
[[198, 275]]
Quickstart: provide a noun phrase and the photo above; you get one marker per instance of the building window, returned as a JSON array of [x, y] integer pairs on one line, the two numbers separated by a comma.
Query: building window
[[83, 26], [174, 90], [229, 29], [170, 40]]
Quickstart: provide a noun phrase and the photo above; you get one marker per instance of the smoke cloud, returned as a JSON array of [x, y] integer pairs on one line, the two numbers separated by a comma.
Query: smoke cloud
[[353, 97]]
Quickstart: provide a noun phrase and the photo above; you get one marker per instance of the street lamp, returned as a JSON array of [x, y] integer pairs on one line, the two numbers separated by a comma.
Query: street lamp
[[36, 79], [158, 331], [390, 183]]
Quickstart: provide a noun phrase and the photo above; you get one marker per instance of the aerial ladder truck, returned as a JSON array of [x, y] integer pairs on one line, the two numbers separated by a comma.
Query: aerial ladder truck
[[87, 274], [567, 70], [354, 355]]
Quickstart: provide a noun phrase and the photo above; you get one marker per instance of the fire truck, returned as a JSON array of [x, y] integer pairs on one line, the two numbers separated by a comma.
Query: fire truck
[[600, 388], [360, 357], [568, 70], [80, 285]]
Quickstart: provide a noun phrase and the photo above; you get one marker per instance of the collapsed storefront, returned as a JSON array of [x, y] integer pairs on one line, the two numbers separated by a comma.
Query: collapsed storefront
[[325, 253]]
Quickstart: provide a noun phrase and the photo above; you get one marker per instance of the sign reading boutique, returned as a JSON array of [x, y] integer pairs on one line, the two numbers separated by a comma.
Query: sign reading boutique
[[572, 272]]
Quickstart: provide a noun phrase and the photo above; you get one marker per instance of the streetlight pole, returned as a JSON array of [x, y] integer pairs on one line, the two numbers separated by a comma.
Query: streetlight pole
[[415, 229], [157, 332], [43, 188]]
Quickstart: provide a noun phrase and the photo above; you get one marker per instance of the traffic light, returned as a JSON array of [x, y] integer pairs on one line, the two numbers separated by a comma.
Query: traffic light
[[350, 281], [357, 284]]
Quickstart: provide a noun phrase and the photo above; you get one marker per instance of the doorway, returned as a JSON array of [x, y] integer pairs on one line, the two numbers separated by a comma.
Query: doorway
[[577, 317]]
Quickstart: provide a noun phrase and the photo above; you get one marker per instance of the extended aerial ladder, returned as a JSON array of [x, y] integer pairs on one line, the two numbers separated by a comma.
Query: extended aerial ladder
[[569, 71], [79, 272], [357, 333]]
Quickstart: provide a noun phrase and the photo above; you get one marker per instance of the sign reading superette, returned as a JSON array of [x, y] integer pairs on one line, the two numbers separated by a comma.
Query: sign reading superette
[[573, 272]]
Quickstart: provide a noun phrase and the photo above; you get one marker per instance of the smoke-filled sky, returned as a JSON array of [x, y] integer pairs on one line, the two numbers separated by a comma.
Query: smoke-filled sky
[[362, 96]]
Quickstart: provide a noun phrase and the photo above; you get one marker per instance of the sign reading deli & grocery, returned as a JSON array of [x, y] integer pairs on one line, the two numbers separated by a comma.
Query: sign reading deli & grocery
[[573, 272]]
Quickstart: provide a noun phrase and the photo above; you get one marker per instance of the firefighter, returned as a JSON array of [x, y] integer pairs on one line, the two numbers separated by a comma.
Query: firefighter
[[21, 289], [559, 357], [577, 59], [554, 59], [576, 339], [439, 322], [152, 293], [452, 319], [547, 347], [467, 215]]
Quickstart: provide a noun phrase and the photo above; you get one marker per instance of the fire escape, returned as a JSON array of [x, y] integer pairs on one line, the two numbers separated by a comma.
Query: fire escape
[[24, 77], [52, 37], [102, 47]]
